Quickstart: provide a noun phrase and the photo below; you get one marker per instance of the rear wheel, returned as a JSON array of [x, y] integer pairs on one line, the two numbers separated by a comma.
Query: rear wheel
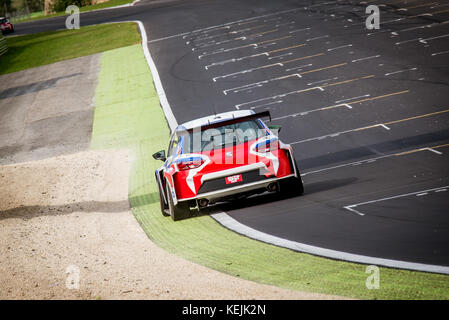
[[179, 211], [292, 187], [164, 207]]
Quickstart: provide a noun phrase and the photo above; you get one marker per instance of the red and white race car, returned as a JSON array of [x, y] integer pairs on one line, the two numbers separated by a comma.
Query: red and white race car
[[6, 26], [224, 157]]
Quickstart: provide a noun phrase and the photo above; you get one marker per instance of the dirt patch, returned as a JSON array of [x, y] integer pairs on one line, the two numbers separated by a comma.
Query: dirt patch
[[73, 210], [47, 111]]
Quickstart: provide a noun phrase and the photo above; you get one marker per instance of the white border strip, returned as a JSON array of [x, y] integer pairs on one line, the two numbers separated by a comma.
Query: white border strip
[[232, 224], [172, 123]]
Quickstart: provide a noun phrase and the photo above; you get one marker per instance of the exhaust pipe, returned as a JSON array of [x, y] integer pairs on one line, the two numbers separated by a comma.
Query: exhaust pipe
[[203, 203], [273, 187]]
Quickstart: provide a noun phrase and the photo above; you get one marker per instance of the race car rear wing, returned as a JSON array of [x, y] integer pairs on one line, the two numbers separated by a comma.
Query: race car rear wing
[[210, 125]]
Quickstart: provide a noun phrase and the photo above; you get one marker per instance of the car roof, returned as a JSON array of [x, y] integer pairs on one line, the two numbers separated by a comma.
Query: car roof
[[214, 118]]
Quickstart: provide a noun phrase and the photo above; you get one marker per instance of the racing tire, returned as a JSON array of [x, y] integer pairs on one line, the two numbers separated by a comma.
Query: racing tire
[[179, 211], [164, 207], [292, 187]]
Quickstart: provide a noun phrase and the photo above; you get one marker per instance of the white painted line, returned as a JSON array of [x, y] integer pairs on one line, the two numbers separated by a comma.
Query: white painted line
[[417, 193], [370, 160], [246, 29], [316, 38], [265, 45], [433, 38], [362, 59], [284, 24], [220, 63], [353, 210], [237, 106], [422, 194], [441, 190], [221, 50], [420, 27], [202, 33], [364, 96], [337, 133], [281, 55], [260, 83], [230, 223], [423, 40], [438, 53], [255, 45], [406, 41], [434, 151], [203, 44], [348, 164], [299, 68], [345, 46], [246, 71], [321, 81], [266, 104], [217, 43], [299, 30], [400, 71], [248, 88]]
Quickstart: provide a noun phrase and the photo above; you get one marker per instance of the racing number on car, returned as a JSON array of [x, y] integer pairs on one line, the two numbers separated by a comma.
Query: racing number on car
[[234, 179]]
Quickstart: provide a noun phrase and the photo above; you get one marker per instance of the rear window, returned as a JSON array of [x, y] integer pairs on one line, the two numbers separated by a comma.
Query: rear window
[[217, 138]]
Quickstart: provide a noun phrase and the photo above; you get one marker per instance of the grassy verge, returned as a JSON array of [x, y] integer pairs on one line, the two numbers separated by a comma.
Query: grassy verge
[[40, 15], [48, 47], [128, 115]]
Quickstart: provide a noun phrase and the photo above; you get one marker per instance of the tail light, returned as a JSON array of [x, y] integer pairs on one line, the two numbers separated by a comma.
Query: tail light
[[190, 164], [268, 146]]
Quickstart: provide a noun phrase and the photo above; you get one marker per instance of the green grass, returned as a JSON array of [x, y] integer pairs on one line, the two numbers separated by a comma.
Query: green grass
[[33, 16], [128, 115], [48, 47], [40, 14]]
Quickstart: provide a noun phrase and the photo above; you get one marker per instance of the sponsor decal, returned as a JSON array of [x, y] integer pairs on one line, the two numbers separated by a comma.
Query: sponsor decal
[[234, 179]]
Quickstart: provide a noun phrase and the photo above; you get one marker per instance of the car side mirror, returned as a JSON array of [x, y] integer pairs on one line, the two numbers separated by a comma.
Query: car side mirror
[[275, 128], [160, 155]]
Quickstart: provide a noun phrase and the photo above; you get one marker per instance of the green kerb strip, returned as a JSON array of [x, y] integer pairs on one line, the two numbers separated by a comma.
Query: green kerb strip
[[127, 114]]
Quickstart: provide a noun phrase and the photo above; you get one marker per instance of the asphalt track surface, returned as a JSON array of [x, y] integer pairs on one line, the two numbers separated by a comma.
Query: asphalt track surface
[[367, 111]]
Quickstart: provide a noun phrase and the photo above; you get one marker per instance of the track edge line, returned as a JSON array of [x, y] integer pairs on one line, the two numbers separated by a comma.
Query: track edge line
[[230, 223]]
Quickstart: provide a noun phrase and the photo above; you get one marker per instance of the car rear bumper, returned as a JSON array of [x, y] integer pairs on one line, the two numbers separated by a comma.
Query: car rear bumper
[[219, 194]]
